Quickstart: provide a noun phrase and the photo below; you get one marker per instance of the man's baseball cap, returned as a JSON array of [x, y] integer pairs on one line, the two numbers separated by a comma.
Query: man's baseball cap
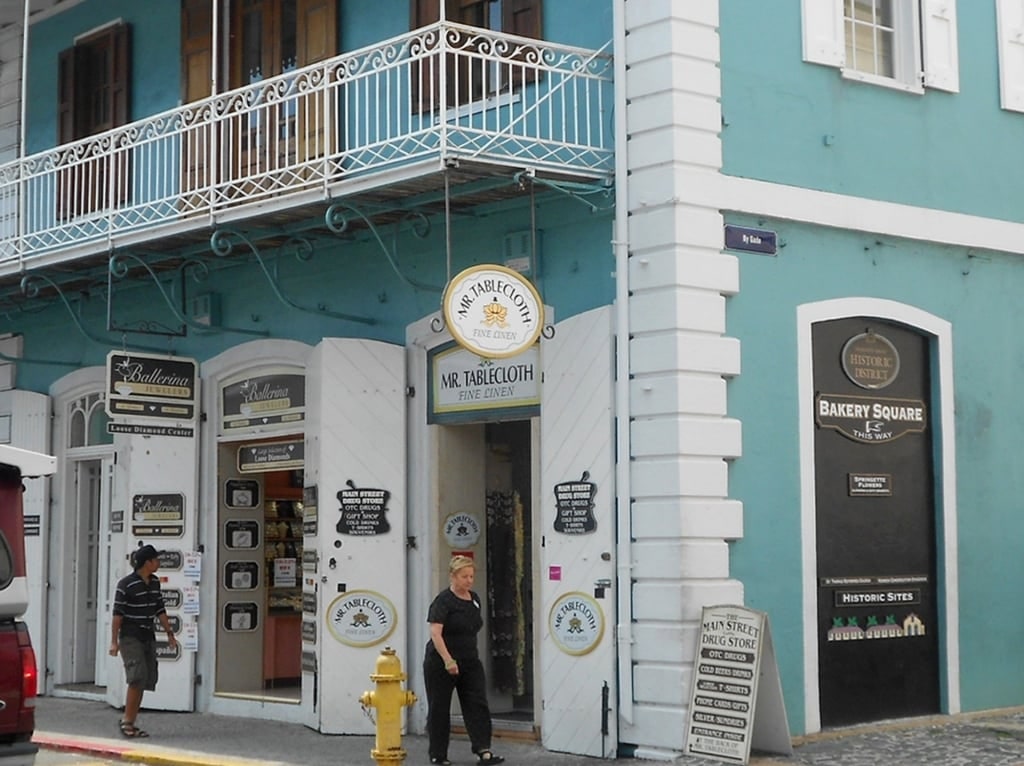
[[143, 554]]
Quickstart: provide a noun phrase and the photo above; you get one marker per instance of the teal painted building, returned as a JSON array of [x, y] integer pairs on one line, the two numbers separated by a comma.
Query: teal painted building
[[820, 435]]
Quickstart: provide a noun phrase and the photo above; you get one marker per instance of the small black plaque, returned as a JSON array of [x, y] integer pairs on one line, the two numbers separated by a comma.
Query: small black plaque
[[241, 617], [870, 484], [241, 534], [363, 511], [574, 506], [241, 575]]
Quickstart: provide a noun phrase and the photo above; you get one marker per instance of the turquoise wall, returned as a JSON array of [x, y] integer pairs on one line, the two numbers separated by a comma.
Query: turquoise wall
[[156, 42], [585, 23], [155, 45], [977, 293], [952, 151], [351, 275]]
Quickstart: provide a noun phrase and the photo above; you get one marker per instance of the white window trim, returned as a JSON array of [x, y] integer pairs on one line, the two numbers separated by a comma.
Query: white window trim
[[928, 58], [1010, 26]]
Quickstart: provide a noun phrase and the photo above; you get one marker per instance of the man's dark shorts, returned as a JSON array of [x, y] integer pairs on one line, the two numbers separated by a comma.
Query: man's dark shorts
[[139, 659]]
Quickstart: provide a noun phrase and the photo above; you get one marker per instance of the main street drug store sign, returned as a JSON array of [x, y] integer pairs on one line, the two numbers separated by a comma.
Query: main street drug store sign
[[736, 694]]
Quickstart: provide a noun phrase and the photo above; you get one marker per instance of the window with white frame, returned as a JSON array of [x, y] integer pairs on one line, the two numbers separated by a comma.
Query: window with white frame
[[1010, 17], [905, 44]]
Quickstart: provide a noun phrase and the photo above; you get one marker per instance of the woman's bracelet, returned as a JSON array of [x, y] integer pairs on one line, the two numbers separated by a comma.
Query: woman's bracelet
[[449, 664]]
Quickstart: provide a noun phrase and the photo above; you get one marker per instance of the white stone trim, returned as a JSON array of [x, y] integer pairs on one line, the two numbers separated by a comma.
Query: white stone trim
[[841, 211]]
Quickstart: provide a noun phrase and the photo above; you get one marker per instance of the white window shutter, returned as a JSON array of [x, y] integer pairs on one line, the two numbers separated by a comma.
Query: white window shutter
[[824, 41], [1010, 16], [941, 62]]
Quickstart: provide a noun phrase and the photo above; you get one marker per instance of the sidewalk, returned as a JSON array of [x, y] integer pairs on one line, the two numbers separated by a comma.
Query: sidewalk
[[203, 739], [990, 738]]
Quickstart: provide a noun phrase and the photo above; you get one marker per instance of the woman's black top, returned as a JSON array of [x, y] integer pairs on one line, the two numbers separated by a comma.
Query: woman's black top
[[461, 619]]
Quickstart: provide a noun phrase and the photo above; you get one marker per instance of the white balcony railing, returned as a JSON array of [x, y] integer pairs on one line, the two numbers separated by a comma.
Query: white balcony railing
[[443, 91]]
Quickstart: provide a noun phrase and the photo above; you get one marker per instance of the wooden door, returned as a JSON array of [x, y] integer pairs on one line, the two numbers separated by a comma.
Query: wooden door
[[578, 672], [317, 115], [196, 83]]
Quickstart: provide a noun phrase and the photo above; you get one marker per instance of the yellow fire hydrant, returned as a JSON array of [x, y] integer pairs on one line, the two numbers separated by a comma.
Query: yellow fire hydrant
[[389, 699]]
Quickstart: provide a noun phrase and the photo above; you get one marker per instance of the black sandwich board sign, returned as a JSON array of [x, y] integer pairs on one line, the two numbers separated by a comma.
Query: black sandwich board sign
[[736, 694]]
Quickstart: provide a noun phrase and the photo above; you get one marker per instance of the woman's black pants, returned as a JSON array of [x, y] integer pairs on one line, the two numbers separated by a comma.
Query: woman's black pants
[[472, 690]]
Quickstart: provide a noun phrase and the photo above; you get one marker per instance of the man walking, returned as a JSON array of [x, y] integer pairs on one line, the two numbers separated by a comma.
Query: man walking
[[137, 601]]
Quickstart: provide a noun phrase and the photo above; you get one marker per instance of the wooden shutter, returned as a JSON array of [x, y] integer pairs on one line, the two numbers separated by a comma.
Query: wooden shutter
[[120, 76], [196, 84], [317, 30], [1010, 18], [316, 40], [939, 45], [66, 96], [522, 17], [120, 88], [425, 74], [824, 39], [196, 49], [66, 131]]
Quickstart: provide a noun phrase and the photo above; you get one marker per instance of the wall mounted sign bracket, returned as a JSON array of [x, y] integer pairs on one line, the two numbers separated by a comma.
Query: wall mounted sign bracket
[[30, 288]]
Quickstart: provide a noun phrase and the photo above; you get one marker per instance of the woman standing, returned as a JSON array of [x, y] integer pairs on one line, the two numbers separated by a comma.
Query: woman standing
[[452, 662]]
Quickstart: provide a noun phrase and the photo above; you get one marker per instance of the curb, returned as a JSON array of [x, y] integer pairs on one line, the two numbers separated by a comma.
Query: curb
[[150, 754]]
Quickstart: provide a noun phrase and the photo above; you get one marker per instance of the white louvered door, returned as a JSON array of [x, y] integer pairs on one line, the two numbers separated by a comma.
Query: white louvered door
[[355, 460], [577, 651]]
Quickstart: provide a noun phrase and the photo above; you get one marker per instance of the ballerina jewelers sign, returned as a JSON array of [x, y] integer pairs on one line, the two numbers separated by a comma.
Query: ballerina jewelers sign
[[493, 311]]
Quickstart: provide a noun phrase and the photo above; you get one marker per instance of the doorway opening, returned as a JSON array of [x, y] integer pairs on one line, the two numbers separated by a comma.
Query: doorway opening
[[88, 596], [488, 471], [260, 542]]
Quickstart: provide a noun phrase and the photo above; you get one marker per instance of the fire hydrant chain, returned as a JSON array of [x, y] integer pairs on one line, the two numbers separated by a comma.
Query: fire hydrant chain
[[369, 714], [388, 698]]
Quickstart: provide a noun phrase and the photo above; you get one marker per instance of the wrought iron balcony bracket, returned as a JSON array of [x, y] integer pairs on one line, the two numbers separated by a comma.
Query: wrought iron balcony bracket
[[221, 245], [337, 219], [573, 190], [30, 284], [119, 268]]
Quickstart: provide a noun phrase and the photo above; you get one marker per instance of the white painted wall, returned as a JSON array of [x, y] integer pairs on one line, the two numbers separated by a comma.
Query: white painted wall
[[680, 358]]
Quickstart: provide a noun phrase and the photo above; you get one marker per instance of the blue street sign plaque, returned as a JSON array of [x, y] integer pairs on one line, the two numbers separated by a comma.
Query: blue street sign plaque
[[751, 240]]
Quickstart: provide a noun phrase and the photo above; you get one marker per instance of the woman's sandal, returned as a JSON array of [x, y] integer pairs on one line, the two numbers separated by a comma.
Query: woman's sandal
[[486, 756], [131, 731]]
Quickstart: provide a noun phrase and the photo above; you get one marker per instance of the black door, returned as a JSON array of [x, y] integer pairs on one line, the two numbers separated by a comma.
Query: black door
[[876, 534]]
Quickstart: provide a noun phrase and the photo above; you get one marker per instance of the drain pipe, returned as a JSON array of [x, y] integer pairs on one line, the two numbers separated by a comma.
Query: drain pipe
[[623, 501]]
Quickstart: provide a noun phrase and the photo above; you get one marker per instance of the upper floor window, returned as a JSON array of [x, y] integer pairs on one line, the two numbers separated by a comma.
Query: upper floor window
[[477, 74], [92, 97], [1010, 16], [93, 84], [906, 44]]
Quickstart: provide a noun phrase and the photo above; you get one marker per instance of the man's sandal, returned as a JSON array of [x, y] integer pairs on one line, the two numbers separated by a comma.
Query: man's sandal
[[486, 756], [131, 731]]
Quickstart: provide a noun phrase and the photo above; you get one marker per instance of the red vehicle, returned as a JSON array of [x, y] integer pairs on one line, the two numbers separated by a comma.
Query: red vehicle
[[18, 673]]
